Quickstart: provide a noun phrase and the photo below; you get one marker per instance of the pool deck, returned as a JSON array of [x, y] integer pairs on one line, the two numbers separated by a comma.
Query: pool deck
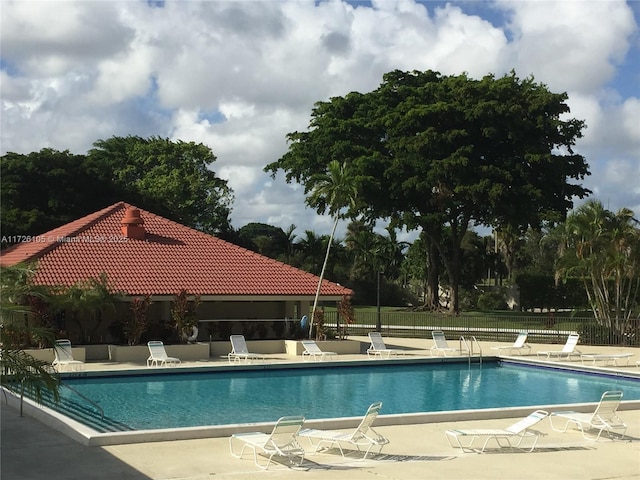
[[30, 450]]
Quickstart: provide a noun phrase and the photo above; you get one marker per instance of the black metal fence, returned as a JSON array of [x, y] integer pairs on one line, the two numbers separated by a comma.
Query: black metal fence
[[541, 329]]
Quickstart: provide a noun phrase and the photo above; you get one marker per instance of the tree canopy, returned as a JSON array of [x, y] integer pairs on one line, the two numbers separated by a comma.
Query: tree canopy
[[43, 190], [264, 239], [170, 178], [429, 152]]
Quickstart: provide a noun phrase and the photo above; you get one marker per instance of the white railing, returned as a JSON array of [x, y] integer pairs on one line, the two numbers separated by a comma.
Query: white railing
[[469, 348]]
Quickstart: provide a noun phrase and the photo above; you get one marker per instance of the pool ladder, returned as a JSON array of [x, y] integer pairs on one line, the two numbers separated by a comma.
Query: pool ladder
[[469, 347]]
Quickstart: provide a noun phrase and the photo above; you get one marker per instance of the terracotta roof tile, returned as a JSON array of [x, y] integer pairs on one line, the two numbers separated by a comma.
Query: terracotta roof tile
[[170, 258]]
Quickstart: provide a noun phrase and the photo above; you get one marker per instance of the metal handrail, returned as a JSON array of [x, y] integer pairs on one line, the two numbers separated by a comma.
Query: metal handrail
[[464, 341], [84, 397], [474, 341], [469, 349]]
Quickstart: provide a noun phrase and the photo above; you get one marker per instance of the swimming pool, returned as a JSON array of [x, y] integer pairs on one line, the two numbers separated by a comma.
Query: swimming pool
[[179, 400]]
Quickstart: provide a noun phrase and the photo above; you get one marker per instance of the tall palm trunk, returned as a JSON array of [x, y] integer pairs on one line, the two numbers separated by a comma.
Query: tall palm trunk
[[324, 266]]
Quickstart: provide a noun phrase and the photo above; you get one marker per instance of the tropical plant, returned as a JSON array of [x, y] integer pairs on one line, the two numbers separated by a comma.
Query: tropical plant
[[19, 371], [347, 313], [318, 324], [136, 323], [602, 248], [509, 242], [184, 314], [360, 242], [332, 191], [290, 244], [312, 250], [422, 266], [86, 303]]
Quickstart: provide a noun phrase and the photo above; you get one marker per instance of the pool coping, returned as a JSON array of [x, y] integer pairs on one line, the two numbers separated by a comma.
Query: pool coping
[[90, 437]]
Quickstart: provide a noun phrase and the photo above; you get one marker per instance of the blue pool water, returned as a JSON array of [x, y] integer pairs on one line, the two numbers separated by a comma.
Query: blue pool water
[[219, 398]]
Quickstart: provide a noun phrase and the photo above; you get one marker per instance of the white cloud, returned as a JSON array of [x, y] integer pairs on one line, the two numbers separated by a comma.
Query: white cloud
[[51, 38], [570, 45], [467, 42], [238, 76]]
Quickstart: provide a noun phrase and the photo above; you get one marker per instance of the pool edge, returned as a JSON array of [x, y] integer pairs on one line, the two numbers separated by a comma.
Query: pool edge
[[90, 437]]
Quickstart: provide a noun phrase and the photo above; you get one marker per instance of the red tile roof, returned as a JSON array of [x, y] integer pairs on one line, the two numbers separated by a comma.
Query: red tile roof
[[171, 257]]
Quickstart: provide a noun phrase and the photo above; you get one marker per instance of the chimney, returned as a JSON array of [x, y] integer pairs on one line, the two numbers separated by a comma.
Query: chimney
[[133, 224]]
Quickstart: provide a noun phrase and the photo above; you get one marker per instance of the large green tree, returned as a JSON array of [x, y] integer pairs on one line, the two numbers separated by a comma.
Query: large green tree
[[441, 153], [43, 190], [264, 239], [173, 179]]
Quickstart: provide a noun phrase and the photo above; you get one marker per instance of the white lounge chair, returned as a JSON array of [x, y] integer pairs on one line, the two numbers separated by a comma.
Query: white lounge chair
[[567, 351], [312, 351], [511, 436], [364, 437], [158, 355], [518, 346], [379, 349], [64, 356], [603, 419], [281, 441], [606, 358], [440, 345], [239, 350]]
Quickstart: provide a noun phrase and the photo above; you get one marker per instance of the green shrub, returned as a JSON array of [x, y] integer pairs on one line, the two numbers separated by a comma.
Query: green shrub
[[469, 299], [594, 334], [492, 301]]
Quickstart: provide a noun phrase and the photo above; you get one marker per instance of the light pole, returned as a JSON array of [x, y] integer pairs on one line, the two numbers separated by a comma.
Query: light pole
[[379, 322]]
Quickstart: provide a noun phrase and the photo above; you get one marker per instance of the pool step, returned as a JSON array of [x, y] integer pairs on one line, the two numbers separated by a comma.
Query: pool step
[[85, 413]]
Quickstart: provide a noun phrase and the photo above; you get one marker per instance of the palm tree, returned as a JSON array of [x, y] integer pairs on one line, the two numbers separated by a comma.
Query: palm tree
[[332, 191], [361, 243], [19, 371], [290, 244], [311, 248], [602, 248], [87, 301], [389, 253]]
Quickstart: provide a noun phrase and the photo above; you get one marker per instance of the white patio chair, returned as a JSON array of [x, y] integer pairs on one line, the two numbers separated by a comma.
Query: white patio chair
[[363, 437], [603, 419], [379, 349], [239, 350], [511, 437], [518, 346], [158, 355], [312, 351], [440, 345], [567, 351], [281, 441], [64, 356]]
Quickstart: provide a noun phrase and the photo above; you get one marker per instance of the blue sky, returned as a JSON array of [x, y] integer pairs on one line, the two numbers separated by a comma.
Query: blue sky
[[239, 75]]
